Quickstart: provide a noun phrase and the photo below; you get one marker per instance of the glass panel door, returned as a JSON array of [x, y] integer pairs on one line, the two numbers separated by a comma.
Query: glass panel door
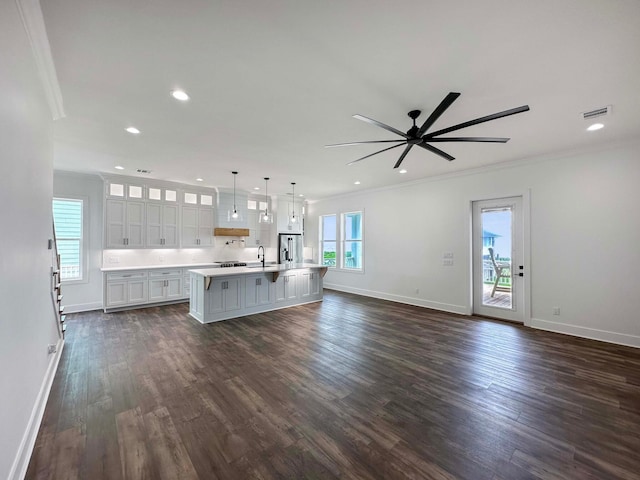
[[497, 258]]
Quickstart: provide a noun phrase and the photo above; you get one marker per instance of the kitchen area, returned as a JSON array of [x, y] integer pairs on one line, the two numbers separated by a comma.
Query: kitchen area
[[161, 242]]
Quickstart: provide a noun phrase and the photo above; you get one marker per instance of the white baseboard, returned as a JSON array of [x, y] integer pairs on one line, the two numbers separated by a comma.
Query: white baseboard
[[418, 302], [82, 307], [586, 332], [21, 462]]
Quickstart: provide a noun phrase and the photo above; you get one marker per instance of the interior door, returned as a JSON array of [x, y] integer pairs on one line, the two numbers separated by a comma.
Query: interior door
[[498, 259]]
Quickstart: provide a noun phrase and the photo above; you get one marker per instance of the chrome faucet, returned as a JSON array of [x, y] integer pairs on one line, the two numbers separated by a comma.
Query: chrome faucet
[[261, 247]]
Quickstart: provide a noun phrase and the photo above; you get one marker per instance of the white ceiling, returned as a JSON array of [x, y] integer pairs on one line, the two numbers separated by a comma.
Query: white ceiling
[[271, 82]]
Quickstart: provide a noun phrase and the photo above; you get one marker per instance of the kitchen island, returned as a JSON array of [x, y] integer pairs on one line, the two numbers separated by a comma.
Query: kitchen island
[[224, 293]]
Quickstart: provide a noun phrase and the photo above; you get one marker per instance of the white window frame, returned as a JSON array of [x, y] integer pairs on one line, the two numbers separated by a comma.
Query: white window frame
[[340, 240], [322, 240], [84, 238], [343, 240]]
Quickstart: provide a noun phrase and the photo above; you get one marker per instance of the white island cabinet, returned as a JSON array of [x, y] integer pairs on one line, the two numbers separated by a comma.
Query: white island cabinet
[[225, 293]]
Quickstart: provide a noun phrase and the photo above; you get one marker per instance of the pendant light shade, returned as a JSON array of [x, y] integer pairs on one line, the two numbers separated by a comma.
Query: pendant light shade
[[293, 219], [266, 216], [233, 215]]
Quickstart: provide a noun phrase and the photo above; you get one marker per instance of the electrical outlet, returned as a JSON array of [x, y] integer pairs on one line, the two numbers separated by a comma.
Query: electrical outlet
[[447, 262], [417, 290], [52, 349], [114, 260], [556, 310], [447, 255], [161, 259]]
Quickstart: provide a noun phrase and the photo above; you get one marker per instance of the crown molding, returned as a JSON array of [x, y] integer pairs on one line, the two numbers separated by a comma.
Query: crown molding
[[33, 22]]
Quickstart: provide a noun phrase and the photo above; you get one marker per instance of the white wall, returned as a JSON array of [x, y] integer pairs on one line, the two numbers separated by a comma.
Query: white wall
[[585, 233], [27, 319], [86, 295]]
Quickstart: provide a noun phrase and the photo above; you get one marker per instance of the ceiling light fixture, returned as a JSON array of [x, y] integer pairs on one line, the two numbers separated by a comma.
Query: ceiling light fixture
[[595, 126], [234, 215], [403, 171], [199, 180], [256, 188], [180, 95], [266, 217], [357, 182], [119, 167], [293, 219], [132, 130]]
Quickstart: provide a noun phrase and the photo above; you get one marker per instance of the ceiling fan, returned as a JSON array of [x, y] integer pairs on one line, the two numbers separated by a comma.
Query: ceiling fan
[[419, 137]]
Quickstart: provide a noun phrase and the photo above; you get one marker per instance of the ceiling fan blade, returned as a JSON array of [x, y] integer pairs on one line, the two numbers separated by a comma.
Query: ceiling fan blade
[[381, 125], [404, 154], [446, 103], [468, 139], [437, 151], [363, 143], [375, 153], [488, 118]]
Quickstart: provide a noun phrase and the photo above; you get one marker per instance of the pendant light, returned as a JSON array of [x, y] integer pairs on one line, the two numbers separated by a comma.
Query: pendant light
[[266, 217], [233, 215], [293, 219]]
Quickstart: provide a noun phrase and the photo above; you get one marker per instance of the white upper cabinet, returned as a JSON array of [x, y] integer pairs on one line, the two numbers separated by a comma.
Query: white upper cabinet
[[162, 225], [197, 226], [124, 224], [158, 214]]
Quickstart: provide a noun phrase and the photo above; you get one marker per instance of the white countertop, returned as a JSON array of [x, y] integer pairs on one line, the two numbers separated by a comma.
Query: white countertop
[[281, 267], [150, 267]]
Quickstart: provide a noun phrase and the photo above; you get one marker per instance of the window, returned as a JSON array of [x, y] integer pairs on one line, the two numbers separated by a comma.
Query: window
[[252, 204], [67, 219], [328, 239], [352, 240]]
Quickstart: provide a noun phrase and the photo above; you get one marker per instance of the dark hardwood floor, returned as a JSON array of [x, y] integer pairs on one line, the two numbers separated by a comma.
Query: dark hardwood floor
[[352, 387]]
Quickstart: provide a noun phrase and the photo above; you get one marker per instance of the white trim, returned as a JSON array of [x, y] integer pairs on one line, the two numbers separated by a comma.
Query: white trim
[[83, 307], [445, 307], [33, 22], [21, 461], [586, 332]]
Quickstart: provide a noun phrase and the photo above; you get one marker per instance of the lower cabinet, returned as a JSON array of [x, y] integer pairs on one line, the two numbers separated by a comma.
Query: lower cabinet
[[257, 291], [140, 287], [309, 283], [126, 288], [224, 295], [165, 285], [287, 287]]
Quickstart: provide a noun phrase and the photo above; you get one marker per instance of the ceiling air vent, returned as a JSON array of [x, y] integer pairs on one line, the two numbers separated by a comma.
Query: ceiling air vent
[[142, 170], [598, 112]]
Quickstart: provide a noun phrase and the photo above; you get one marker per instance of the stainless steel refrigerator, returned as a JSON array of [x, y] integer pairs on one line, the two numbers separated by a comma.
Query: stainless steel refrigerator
[[290, 248]]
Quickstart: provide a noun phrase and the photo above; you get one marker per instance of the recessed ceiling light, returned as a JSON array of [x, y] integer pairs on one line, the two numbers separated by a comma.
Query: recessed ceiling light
[[180, 95], [256, 188], [357, 182], [133, 130], [402, 171], [595, 126], [301, 195], [119, 167], [199, 180]]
